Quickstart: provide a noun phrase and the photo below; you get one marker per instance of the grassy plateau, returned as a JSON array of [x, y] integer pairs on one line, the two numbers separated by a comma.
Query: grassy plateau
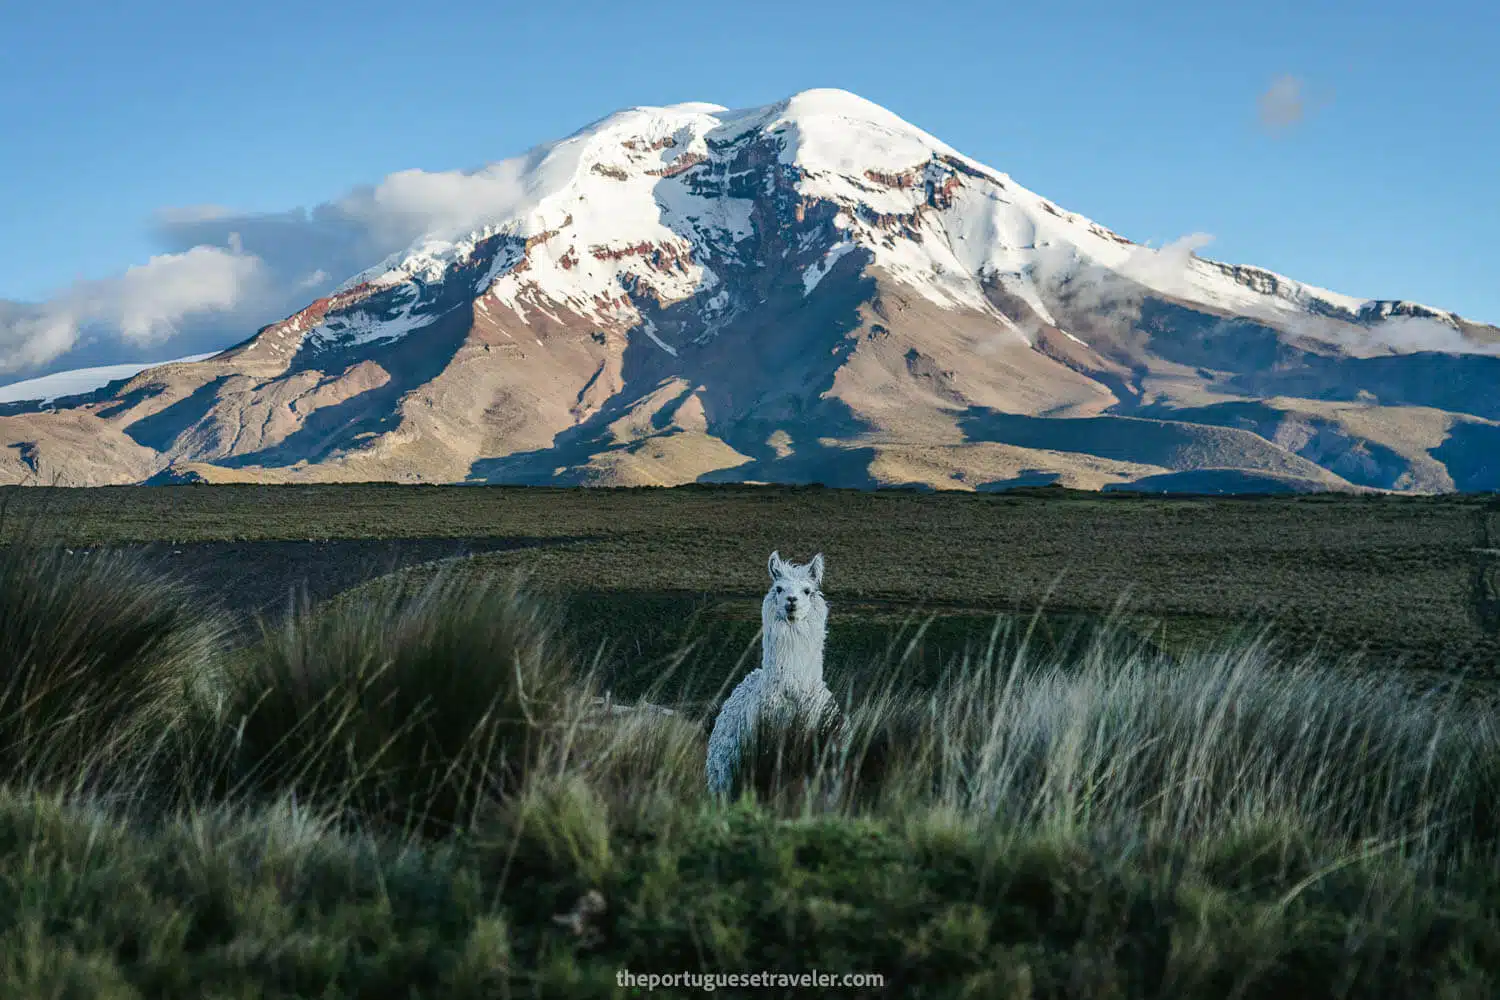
[[1098, 746]]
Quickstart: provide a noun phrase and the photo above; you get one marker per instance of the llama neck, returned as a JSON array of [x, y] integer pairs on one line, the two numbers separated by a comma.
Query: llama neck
[[791, 657]]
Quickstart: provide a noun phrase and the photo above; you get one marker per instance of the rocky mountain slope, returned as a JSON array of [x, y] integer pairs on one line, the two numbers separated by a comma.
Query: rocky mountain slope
[[814, 290]]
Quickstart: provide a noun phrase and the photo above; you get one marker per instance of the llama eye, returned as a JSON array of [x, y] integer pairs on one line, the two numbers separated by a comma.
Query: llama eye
[[807, 590]]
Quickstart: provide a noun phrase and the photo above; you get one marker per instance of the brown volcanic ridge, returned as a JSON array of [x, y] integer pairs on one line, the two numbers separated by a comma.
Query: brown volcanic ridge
[[814, 291]]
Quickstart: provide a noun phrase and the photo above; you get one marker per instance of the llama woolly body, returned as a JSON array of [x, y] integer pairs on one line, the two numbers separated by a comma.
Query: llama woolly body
[[794, 624]]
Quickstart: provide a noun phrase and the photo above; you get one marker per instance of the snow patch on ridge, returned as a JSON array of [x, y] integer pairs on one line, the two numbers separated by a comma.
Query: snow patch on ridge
[[818, 270], [649, 328], [45, 388], [357, 326]]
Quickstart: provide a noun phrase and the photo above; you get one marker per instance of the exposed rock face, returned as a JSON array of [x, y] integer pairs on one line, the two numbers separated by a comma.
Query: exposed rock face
[[811, 291]]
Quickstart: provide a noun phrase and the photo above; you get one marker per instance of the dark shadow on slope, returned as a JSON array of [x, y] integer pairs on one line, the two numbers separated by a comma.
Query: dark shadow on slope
[[841, 468], [1317, 439], [760, 367], [1126, 390], [777, 386], [1258, 361], [565, 463], [1459, 383], [562, 464], [161, 429], [119, 404], [1027, 479], [411, 361], [1249, 415], [27, 453], [174, 477], [1471, 453], [1200, 481], [1202, 340], [1133, 439], [766, 370], [663, 418]]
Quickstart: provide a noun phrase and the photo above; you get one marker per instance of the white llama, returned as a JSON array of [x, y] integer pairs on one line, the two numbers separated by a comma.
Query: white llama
[[794, 623]]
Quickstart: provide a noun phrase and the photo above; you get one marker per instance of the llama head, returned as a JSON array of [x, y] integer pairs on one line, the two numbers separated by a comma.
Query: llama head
[[795, 598]]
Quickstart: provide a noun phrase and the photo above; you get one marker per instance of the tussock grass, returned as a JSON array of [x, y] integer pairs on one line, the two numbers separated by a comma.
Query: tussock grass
[[1188, 749], [794, 763], [421, 794], [410, 710], [100, 658], [637, 757]]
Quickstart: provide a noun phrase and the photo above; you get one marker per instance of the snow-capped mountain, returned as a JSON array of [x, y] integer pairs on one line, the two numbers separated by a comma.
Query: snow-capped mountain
[[812, 290]]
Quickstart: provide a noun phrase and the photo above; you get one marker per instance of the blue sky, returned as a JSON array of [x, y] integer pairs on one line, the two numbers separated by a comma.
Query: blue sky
[[1375, 176]]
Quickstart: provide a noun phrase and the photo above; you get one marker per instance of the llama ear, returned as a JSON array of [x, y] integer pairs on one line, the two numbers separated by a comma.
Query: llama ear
[[775, 565], [816, 568]]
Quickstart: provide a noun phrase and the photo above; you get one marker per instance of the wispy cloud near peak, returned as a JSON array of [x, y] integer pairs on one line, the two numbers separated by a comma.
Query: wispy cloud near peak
[[1286, 103]]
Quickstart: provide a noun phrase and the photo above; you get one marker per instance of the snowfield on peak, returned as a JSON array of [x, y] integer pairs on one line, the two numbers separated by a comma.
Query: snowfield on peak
[[628, 181], [834, 130], [590, 209]]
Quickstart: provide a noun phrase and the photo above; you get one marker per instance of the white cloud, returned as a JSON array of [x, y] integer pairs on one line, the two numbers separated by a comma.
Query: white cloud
[[1285, 103], [143, 306], [1392, 335], [225, 273], [411, 204], [1280, 105], [149, 299], [1165, 269], [1089, 286]]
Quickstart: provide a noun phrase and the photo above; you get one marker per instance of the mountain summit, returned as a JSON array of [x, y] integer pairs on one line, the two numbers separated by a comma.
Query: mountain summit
[[814, 290]]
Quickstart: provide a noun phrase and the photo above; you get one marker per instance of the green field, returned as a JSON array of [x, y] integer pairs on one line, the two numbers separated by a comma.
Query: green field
[[1079, 765], [1401, 581]]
